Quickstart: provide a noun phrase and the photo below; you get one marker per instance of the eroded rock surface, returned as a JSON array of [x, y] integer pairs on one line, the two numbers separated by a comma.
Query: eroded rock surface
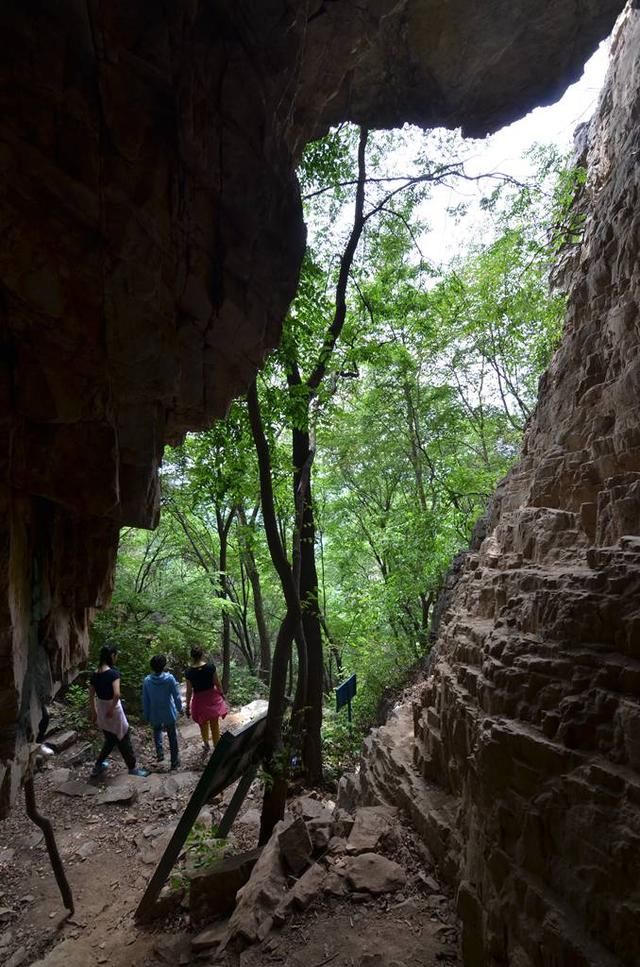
[[152, 236], [525, 780]]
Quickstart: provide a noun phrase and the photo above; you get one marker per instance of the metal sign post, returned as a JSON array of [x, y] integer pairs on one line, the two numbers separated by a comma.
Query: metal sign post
[[236, 756], [344, 694]]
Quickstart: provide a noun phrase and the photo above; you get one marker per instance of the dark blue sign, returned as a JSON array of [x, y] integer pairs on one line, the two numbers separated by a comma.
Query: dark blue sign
[[344, 694]]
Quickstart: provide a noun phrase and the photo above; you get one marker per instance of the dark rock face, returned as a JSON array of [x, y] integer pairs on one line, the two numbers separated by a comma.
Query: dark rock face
[[529, 723], [152, 235]]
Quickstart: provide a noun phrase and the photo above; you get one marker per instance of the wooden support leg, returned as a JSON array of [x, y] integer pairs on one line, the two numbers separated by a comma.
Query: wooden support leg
[[237, 799]]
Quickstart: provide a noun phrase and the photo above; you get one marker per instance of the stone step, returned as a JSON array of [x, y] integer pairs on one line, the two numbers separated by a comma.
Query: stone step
[[62, 740]]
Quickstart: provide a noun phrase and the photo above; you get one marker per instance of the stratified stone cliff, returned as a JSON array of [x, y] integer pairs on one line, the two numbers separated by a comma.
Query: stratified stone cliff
[[152, 235], [525, 778]]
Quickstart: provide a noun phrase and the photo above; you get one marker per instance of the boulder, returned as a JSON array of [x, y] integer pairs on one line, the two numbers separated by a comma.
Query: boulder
[[180, 781], [349, 792], [86, 849], [371, 873], [212, 893], [260, 897], [208, 938], [74, 787], [320, 833], [371, 825], [69, 953], [295, 846], [152, 846], [430, 883], [308, 887], [335, 883], [342, 823], [122, 793], [310, 808], [337, 845], [166, 904]]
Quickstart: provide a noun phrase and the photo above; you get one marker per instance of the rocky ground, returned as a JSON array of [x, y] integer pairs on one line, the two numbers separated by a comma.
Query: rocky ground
[[365, 895]]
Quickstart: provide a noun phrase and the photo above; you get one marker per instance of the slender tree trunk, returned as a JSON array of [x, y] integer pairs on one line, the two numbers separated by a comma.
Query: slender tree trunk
[[275, 791], [334, 652], [305, 572], [244, 619], [223, 537], [258, 604], [308, 584]]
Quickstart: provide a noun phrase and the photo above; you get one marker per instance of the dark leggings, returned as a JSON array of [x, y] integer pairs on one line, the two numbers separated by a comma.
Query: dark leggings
[[44, 724], [124, 744]]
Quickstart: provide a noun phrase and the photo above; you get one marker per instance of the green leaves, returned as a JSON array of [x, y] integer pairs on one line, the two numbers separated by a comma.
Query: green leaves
[[423, 392]]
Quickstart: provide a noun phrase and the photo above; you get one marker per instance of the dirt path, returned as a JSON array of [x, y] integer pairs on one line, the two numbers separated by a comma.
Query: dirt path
[[110, 849]]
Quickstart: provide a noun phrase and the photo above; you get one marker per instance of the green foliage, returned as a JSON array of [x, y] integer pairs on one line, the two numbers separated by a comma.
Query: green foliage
[[245, 687], [161, 604], [75, 708], [420, 412], [341, 742], [328, 161], [204, 849]]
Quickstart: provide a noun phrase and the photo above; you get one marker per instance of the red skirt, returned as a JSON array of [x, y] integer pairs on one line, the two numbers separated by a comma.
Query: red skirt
[[208, 705]]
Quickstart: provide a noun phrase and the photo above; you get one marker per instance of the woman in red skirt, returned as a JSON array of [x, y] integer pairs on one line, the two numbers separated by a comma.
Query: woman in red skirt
[[205, 701]]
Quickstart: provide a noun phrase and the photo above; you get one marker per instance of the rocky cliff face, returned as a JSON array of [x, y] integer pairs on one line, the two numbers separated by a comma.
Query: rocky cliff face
[[526, 770], [152, 234]]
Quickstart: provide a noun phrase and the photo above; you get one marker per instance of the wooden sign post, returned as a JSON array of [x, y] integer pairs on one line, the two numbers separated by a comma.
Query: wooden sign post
[[236, 756]]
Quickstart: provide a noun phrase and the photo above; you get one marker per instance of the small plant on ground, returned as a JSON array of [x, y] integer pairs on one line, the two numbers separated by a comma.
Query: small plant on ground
[[341, 742], [204, 848]]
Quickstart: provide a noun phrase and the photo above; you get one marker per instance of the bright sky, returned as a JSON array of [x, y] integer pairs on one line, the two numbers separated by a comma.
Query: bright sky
[[504, 151]]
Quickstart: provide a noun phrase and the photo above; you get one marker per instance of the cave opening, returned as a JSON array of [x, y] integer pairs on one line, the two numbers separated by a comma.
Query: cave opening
[[154, 239]]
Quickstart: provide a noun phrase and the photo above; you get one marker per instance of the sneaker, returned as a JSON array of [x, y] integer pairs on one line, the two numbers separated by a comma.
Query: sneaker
[[160, 756], [206, 748], [46, 750], [98, 769], [141, 773], [174, 766]]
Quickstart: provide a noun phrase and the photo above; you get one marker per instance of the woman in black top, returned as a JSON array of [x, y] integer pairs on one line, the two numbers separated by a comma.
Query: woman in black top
[[106, 709], [205, 701]]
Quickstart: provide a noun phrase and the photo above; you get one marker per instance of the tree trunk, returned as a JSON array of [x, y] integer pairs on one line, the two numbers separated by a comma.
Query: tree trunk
[[258, 604], [334, 652], [223, 537], [276, 790], [308, 585]]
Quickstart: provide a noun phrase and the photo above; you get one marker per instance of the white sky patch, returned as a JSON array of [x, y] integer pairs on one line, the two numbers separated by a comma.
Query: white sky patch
[[505, 152]]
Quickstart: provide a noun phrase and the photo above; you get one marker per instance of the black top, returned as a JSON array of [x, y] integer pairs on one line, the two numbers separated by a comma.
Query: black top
[[103, 682], [202, 678]]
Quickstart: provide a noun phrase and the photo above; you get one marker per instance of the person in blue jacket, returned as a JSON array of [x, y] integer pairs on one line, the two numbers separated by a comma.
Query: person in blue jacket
[[162, 704]]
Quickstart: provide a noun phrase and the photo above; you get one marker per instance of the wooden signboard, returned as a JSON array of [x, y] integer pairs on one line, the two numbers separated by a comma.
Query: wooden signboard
[[236, 756], [344, 694]]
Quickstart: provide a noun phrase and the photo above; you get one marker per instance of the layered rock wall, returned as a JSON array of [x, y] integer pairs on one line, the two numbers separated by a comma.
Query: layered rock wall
[[151, 239], [528, 727]]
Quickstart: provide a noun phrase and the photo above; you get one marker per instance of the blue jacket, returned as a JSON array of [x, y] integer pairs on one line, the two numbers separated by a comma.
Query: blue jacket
[[161, 700]]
